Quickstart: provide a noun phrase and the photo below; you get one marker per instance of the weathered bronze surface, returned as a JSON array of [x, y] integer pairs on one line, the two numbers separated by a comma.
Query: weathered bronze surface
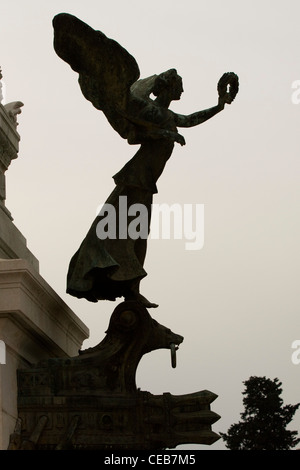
[[91, 401]]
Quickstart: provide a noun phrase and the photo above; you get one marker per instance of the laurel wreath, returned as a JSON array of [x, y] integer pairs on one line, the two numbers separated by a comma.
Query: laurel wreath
[[228, 86]]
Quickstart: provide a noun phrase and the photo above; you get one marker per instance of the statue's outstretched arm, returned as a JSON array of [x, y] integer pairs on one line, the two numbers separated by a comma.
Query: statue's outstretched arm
[[199, 117]]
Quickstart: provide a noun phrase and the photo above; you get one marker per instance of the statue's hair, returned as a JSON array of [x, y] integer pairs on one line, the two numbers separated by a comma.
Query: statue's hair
[[155, 84], [143, 88]]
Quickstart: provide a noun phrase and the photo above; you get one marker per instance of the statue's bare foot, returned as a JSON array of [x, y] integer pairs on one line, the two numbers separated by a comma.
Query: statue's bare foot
[[140, 298]]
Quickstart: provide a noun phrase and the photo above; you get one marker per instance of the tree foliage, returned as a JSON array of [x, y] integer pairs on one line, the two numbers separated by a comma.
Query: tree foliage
[[264, 420]]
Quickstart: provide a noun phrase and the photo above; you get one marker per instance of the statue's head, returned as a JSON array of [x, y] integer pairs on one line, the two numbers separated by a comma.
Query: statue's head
[[168, 81]]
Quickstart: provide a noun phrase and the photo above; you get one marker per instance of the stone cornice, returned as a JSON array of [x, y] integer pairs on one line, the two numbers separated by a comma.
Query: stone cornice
[[27, 299]]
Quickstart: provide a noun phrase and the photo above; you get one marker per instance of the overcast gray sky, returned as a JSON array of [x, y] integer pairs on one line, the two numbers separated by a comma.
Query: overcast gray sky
[[235, 301]]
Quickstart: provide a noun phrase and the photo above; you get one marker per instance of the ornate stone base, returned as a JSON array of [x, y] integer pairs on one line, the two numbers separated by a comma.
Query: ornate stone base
[[90, 402], [136, 421]]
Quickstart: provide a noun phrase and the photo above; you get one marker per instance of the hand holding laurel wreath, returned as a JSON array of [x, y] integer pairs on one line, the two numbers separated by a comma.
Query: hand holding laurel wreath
[[228, 87]]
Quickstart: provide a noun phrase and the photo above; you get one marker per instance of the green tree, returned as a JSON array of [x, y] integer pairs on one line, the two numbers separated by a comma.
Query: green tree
[[264, 420]]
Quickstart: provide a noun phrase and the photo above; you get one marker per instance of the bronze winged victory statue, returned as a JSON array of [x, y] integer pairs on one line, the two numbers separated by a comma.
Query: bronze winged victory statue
[[107, 268]]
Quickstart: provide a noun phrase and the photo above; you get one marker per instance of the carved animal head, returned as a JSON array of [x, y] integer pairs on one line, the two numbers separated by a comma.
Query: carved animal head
[[132, 323], [131, 333]]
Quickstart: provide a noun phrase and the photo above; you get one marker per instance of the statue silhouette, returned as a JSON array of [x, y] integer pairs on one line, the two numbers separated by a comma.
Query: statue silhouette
[[107, 268]]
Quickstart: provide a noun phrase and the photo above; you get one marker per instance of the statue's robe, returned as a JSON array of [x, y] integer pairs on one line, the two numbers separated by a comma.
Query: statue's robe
[[110, 268]]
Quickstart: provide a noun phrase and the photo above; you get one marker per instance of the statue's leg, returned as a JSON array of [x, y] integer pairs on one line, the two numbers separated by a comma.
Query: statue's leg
[[140, 249], [134, 291]]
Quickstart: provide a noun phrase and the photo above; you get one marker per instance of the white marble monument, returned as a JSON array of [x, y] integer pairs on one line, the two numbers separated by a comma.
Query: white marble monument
[[35, 323]]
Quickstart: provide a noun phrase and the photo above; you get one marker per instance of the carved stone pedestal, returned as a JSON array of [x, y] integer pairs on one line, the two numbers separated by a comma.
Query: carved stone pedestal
[[90, 402], [35, 323]]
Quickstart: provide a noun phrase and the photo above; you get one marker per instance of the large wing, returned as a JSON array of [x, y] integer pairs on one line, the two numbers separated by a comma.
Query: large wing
[[106, 70]]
